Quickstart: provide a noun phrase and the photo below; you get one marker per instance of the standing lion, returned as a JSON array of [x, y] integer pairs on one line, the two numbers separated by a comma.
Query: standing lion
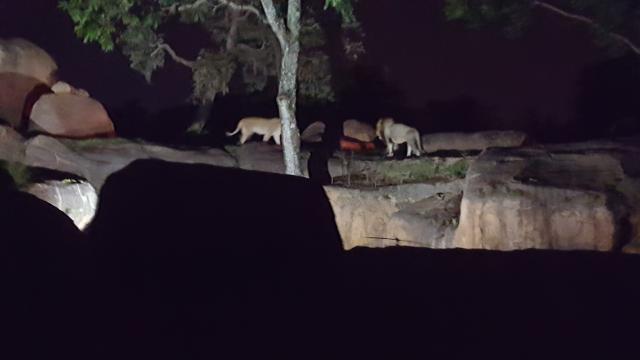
[[268, 128], [393, 133]]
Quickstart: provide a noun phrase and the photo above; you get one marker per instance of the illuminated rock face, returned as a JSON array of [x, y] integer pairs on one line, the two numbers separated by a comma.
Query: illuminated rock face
[[96, 159], [77, 199], [358, 130], [70, 115], [15, 91], [419, 215], [20, 56], [25, 69], [569, 198], [582, 196], [11, 145]]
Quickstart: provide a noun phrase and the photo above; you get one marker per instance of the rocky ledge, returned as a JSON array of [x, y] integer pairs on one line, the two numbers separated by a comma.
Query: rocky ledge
[[582, 196]]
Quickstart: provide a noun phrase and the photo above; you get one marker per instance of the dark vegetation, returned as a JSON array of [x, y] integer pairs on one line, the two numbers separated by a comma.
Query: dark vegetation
[[604, 108], [174, 268]]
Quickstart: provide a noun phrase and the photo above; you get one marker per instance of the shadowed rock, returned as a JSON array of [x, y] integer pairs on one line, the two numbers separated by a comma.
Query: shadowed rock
[[95, 159], [313, 133], [15, 92], [12, 146], [406, 215], [472, 141], [223, 255], [77, 199], [45, 291]]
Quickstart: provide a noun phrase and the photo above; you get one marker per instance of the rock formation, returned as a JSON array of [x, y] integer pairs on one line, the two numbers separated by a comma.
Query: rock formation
[[580, 196], [17, 93], [420, 215], [70, 115], [313, 133], [20, 56], [77, 199], [358, 130], [564, 197], [472, 141], [62, 87]]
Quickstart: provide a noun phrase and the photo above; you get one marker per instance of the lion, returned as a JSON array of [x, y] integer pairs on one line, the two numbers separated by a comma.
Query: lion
[[393, 134], [268, 128]]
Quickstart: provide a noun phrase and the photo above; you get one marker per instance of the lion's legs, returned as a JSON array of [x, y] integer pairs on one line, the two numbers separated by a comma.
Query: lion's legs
[[390, 147], [266, 137], [244, 137], [276, 138], [412, 149]]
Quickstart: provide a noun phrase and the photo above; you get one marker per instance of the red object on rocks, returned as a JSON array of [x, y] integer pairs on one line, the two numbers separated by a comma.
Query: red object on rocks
[[348, 144]]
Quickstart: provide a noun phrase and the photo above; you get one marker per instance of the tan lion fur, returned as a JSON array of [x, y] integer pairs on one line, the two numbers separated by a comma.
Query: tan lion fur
[[268, 128], [393, 134]]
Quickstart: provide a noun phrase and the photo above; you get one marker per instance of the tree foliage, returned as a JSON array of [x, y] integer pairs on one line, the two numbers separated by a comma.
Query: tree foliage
[[614, 23], [242, 47]]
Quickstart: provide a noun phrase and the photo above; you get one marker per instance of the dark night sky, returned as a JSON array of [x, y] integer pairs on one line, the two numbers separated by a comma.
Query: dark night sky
[[422, 55]]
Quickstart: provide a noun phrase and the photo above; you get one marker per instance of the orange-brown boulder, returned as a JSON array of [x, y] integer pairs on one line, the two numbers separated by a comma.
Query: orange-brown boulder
[[71, 116], [16, 90]]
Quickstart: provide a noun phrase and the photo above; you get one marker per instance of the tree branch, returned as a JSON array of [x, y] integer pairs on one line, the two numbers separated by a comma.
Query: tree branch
[[175, 8], [276, 23], [293, 17], [583, 19], [174, 56], [243, 7], [233, 5]]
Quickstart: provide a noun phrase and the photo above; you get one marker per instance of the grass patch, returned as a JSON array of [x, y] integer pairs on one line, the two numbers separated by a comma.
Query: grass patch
[[20, 173], [424, 170], [95, 142], [399, 172]]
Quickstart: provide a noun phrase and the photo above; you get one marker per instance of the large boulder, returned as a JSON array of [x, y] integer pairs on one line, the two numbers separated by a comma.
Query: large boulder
[[18, 92], [365, 170], [44, 285], [21, 56], [12, 146], [406, 215], [472, 141], [314, 132], [70, 115], [358, 130], [77, 199], [96, 159], [262, 156], [574, 197], [224, 256]]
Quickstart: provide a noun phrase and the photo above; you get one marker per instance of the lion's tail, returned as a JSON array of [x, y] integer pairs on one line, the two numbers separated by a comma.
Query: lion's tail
[[234, 132]]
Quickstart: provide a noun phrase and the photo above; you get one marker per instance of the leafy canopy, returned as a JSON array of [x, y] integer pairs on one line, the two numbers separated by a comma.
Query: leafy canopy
[[242, 47], [614, 23]]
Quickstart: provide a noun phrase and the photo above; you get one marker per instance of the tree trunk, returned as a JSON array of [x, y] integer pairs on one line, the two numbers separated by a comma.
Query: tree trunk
[[288, 37], [287, 108], [201, 118]]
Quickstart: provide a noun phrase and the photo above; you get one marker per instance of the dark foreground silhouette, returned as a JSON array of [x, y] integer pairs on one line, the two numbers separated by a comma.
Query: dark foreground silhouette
[[198, 262]]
